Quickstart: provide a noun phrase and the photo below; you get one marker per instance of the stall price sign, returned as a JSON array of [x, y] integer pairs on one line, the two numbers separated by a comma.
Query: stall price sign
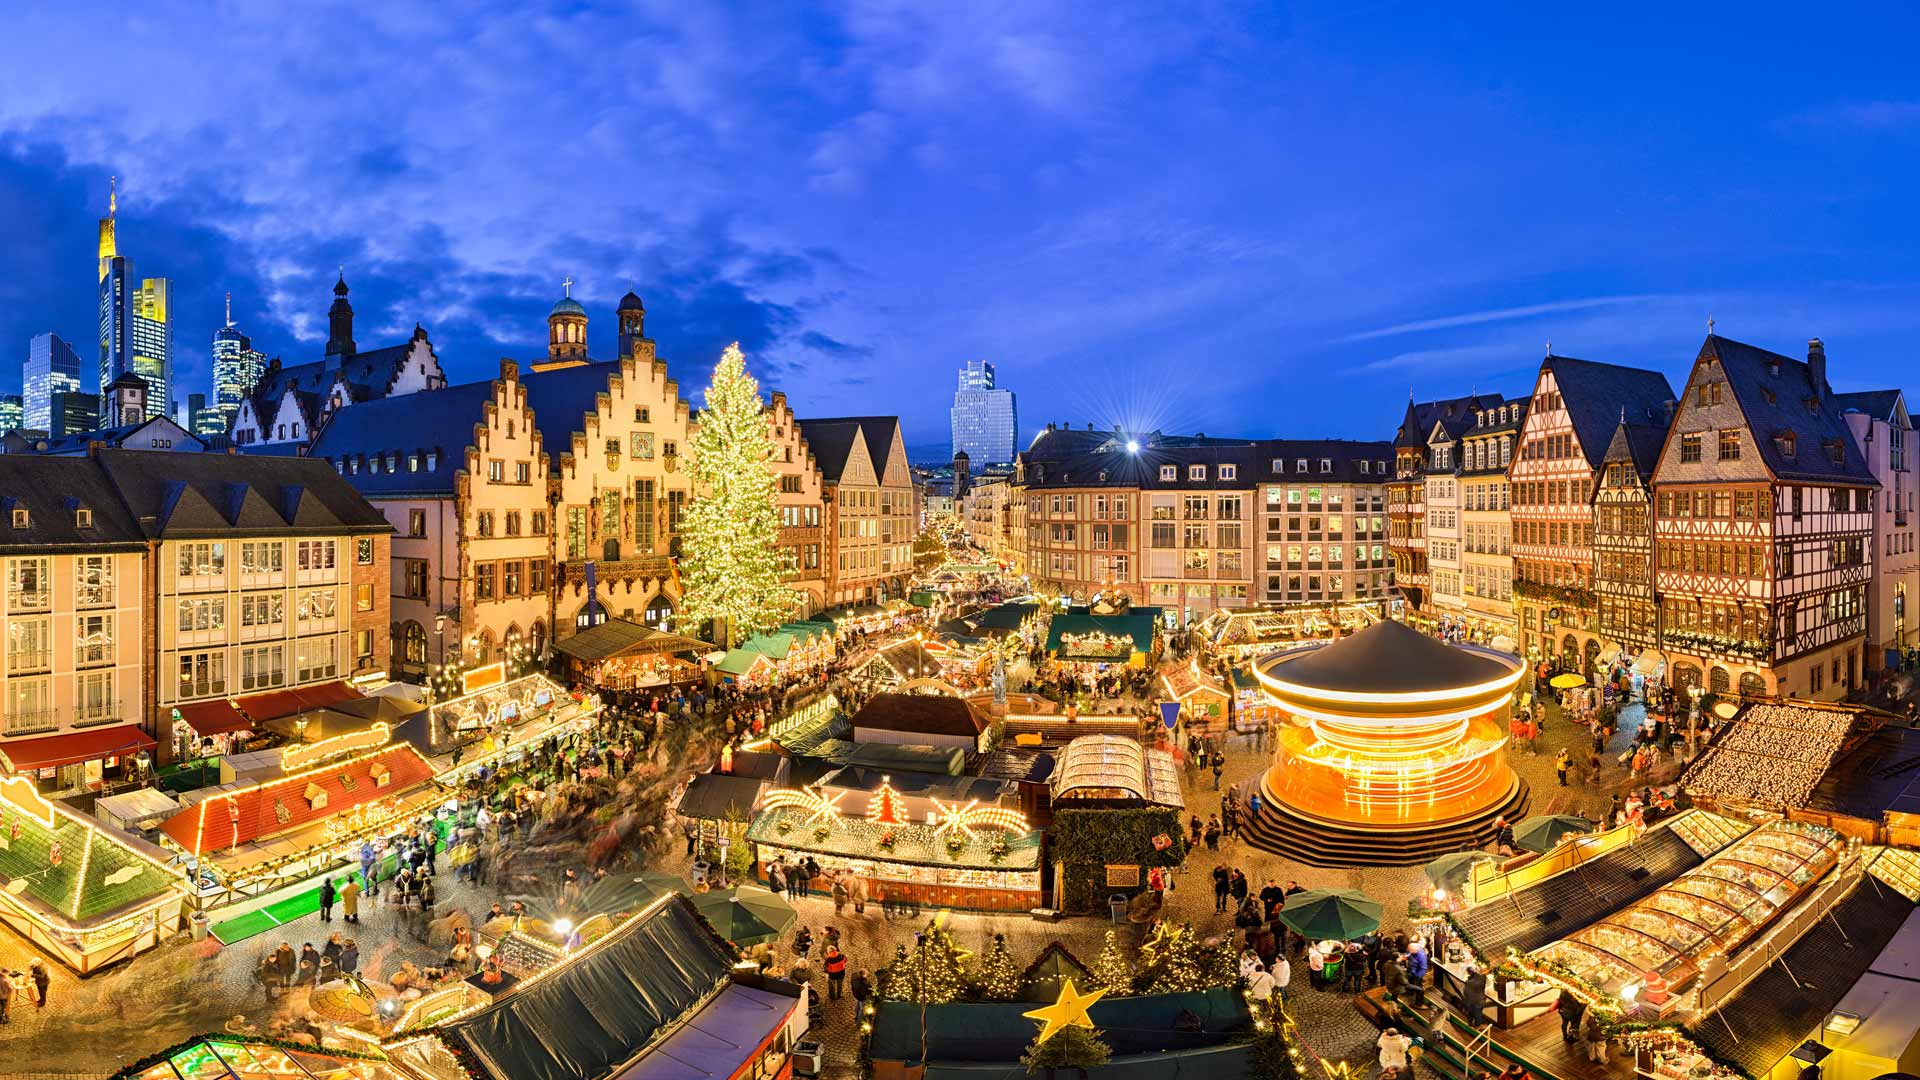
[[1122, 875]]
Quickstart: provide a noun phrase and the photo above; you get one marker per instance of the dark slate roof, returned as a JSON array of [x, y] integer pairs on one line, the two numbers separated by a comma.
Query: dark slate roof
[[953, 789], [114, 436], [191, 495], [1879, 404], [1542, 914], [1775, 404], [831, 442], [1594, 393], [440, 420], [52, 488], [1638, 444], [926, 714], [1346, 454], [719, 797], [1252, 460], [1386, 658], [1053, 443], [1762, 1024], [1879, 774], [1420, 417], [561, 399], [372, 368]]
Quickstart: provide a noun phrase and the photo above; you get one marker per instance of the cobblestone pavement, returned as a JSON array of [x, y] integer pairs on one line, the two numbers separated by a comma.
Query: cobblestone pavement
[[96, 1024]]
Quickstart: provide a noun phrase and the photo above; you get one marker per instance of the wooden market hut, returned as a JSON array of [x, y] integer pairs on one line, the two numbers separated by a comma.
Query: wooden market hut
[[623, 655]]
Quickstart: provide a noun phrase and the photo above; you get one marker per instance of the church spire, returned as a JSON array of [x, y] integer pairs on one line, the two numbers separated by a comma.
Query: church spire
[[340, 320]]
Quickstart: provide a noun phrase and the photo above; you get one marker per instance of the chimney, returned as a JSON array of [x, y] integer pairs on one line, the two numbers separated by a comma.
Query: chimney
[[1817, 368]]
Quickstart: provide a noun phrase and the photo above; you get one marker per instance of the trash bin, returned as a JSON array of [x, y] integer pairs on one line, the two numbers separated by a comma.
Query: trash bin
[[1118, 904], [198, 925], [808, 1058], [700, 871]]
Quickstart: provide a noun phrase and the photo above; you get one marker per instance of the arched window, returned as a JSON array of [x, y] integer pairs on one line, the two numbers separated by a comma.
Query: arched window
[[413, 643], [1686, 675], [538, 639], [483, 648], [1570, 648], [659, 611], [510, 644], [1752, 684], [1719, 680]]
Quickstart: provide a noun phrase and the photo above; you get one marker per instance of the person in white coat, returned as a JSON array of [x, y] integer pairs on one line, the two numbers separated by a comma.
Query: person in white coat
[[1261, 986], [1393, 1049]]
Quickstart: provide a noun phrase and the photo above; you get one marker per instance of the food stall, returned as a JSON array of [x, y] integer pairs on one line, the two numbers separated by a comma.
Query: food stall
[[496, 713], [1652, 950], [623, 655], [1203, 698], [971, 856]]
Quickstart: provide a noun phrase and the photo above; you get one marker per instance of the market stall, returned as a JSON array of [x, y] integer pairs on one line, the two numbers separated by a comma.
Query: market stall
[[983, 858], [1653, 950], [1248, 633], [1203, 698], [495, 713], [623, 655], [84, 895], [1082, 638]]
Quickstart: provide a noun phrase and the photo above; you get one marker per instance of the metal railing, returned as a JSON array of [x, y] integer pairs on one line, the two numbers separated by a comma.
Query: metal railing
[[20, 721], [19, 660]]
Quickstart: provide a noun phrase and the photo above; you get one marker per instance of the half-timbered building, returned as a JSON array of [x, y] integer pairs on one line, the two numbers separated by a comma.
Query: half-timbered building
[[1763, 528], [1623, 581], [1570, 422]]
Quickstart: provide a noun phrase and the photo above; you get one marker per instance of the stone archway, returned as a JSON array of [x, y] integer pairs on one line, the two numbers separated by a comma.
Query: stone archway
[[1592, 654]]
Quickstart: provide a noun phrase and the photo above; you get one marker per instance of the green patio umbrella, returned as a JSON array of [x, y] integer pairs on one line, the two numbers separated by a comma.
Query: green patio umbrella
[[1331, 914], [631, 892], [1543, 833], [746, 916], [1451, 871]]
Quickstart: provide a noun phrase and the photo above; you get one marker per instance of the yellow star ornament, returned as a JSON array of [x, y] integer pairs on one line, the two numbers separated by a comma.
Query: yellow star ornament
[[1069, 1010]]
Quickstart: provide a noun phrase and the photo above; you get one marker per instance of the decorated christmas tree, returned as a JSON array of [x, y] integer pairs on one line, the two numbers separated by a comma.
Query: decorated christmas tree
[[1112, 971], [1276, 1043], [1071, 1048], [731, 562], [997, 975], [934, 972], [885, 808], [1170, 957], [890, 981]]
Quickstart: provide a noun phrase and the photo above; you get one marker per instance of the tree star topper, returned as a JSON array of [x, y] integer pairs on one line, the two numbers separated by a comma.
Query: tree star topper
[[1069, 1010]]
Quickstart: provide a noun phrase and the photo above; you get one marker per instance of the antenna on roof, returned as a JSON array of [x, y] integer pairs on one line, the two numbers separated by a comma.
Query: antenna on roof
[[229, 311]]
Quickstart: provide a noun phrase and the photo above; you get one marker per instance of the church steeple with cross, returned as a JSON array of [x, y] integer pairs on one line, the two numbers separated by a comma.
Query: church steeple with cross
[[567, 327]]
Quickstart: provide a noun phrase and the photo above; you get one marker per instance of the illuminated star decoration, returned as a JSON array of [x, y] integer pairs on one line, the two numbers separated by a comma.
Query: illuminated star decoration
[[1337, 1070], [1069, 1010], [814, 802]]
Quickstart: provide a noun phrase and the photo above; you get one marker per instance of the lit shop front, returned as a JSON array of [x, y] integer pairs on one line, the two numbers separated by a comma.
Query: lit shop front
[[982, 858], [82, 894]]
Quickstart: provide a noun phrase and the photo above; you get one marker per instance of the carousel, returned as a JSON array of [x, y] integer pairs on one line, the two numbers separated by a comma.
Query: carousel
[[1392, 749]]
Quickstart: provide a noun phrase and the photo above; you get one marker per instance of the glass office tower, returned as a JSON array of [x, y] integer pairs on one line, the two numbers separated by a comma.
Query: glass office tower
[[984, 417], [53, 367]]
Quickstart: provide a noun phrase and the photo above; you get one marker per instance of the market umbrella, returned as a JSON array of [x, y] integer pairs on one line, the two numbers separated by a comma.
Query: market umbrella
[[1331, 914], [1451, 871], [1567, 681], [735, 922], [631, 892], [757, 902], [1543, 833], [343, 1001]]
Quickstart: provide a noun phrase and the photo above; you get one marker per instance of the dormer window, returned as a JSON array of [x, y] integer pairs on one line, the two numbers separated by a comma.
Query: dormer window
[[1326, 464], [1785, 442], [1169, 472], [21, 519], [1837, 451], [1299, 465], [83, 518], [1279, 466], [1363, 467], [1196, 472], [1229, 472]]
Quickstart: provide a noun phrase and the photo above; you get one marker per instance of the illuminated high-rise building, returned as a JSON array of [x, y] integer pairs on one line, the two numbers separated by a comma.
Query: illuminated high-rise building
[[10, 412], [236, 371], [116, 298], [984, 419], [152, 353], [53, 367]]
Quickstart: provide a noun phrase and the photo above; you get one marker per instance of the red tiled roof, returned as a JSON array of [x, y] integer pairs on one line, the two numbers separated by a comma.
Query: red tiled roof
[[275, 704], [213, 717], [249, 814], [72, 747]]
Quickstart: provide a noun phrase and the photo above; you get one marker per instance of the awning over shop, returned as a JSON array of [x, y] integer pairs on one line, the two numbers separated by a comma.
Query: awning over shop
[[720, 797], [73, 747], [213, 717], [275, 704], [1007, 617], [741, 661], [720, 1040], [620, 637]]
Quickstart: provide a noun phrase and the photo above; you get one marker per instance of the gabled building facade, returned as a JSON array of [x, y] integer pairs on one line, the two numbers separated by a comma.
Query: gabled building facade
[[1407, 493], [1764, 528], [803, 510], [1571, 417], [1486, 533], [1623, 568], [870, 516]]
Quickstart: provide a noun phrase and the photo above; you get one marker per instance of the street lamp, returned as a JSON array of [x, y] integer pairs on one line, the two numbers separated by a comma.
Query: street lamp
[[440, 628]]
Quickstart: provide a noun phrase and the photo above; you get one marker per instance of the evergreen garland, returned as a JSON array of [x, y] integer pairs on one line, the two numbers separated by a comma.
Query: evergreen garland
[[732, 564]]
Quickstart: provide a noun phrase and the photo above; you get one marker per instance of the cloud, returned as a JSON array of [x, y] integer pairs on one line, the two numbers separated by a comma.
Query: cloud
[[1477, 318], [1865, 115]]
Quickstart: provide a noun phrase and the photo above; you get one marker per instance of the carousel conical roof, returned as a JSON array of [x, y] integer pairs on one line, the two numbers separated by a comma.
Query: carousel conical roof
[[1388, 658]]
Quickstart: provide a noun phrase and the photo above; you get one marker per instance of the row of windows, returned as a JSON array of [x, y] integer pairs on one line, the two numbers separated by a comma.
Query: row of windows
[[508, 578], [264, 667], [484, 521], [30, 582]]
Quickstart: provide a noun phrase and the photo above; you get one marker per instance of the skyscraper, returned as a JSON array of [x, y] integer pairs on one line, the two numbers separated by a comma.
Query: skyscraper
[[10, 412], [52, 368], [236, 371], [116, 299], [136, 323], [74, 412], [152, 357], [984, 418]]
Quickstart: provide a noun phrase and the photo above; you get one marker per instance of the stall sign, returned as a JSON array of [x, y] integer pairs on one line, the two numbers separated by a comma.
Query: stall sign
[[481, 678], [299, 755], [1162, 842], [1170, 713], [1123, 876]]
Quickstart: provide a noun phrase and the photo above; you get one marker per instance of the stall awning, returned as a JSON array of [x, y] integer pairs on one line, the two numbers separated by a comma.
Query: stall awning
[[213, 717], [619, 637], [73, 747]]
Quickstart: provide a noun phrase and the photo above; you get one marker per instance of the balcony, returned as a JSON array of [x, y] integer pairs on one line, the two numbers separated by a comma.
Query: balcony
[[1200, 572], [22, 721], [96, 712], [23, 661]]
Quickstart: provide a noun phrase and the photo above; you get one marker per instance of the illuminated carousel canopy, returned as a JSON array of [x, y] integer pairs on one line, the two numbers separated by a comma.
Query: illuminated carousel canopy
[[1388, 658]]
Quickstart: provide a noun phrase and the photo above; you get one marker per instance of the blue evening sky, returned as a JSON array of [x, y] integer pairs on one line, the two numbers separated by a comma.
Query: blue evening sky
[[1260, 219]]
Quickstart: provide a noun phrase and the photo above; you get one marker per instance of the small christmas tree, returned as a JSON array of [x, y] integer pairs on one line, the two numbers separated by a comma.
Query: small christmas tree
[[1112, 971], [884, 807], [1170, 957], [1070, 1048], [997, 975], [933, 973], [890, 980]]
